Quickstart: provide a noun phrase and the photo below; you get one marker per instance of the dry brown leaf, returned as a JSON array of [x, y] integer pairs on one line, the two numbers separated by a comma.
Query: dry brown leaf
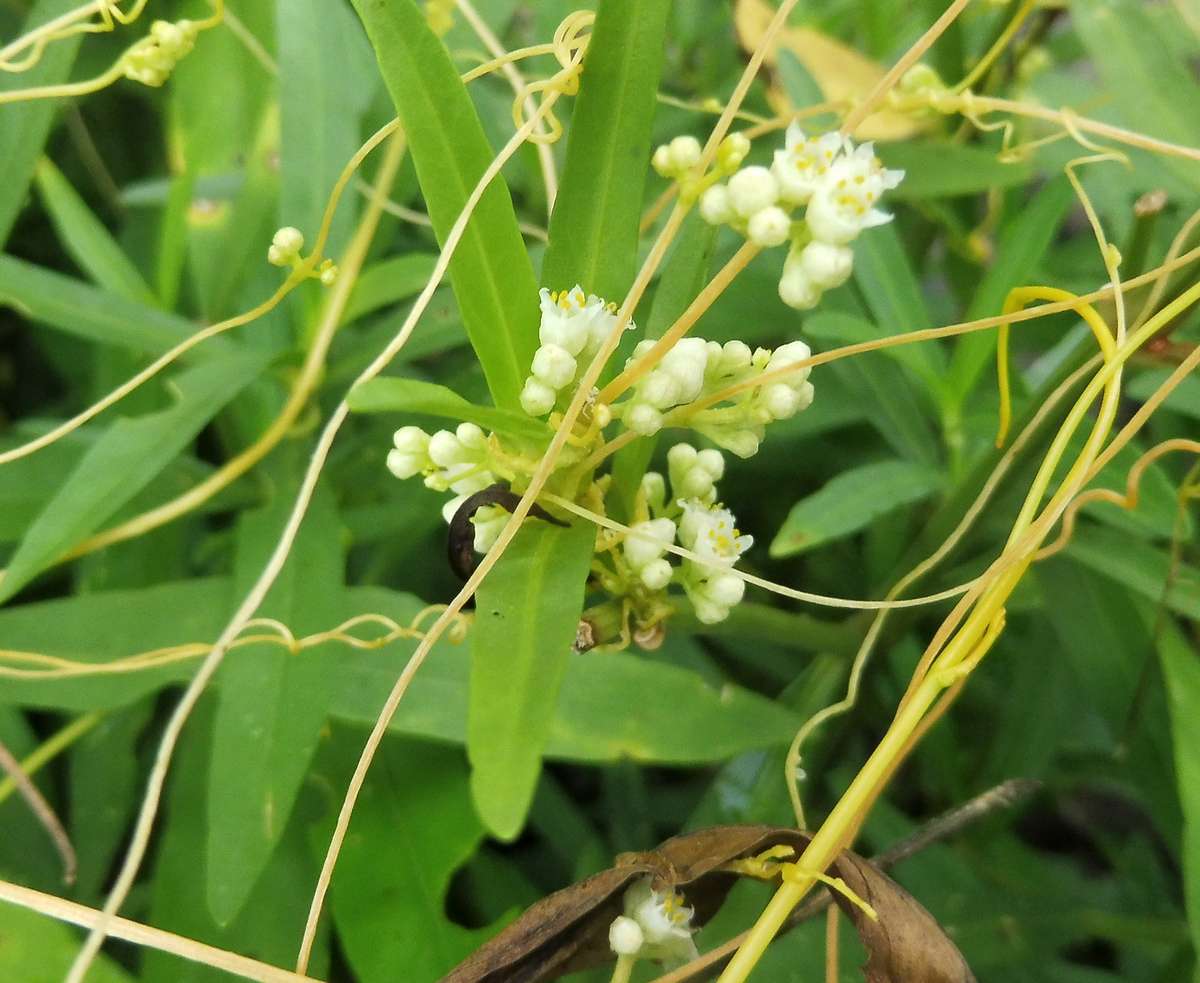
[[568, 930], [841, 72]]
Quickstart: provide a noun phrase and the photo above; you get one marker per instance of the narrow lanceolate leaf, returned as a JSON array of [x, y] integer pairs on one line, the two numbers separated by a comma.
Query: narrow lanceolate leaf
[[594, 228], [851, 502], [27, 124], [414, 826], [36, 948], [1155, 91], [325, 85], [491, 272], [86, 239], [1181, 670], [1022, 243], [392, 395], [273, 702], [79, 309], [527, 614], [121, 463]]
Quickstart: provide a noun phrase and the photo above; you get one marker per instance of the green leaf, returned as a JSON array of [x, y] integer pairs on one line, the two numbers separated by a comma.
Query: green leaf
[[594, 227], [36, 948], [414, 825], [324, 87], [490, 272], [388, 394], [85, 238], [1181, 669], [1184, 398], [851, 502], [87, 312], [526, 616], [122, 462], [1022, 243], [272, 703], [895, 406], [893, 295], [1155, 91], [27, 124], [942, 169], [388, 281], [1140, 567]]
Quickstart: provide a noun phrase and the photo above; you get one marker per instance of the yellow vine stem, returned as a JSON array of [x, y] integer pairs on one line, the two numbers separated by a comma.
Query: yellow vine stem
[[570, 54], [64, 26], [794, 758], [997, 49], [824, 600], [961, 653], [685, 322], [1160, 284], [538, 480], [106, 78], [277, 633], [1017, 299], [145, 935]]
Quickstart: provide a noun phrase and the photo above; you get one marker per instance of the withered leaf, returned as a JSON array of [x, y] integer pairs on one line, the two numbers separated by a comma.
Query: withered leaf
[[568, 931]]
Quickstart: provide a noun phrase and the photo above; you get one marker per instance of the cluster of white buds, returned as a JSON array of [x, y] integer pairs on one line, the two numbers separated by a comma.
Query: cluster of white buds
[[656, 925], [678, 160], [285, 251], [573, 327], [837, 183], [694, 519], [695, 369], [456, 461], [152, 59]]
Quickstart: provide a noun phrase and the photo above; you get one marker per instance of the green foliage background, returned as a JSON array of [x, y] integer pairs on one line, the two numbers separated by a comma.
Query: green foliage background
[[133, 216]]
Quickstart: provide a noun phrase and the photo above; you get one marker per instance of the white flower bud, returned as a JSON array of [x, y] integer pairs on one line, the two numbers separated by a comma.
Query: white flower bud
[[644, 419], [805, 395], [488, 522], [470, 435], [695, 483], [685, 152], [681, 457], [657, 574], [451, 507], [685, 363], [654, 488], [713, 462], [647, 541], [769, 227], [537, 399], [553, 365], [328, 276], [743, 443], [752, 189], [411, 440], [826, 265], [708, 612], [659, 389], [781, 401], [726, 589], [661, 161], [404, 465], [625, 936], [715, 208], [797, 290], [732, 151], [445, 449], [790, 354], [289, 240]]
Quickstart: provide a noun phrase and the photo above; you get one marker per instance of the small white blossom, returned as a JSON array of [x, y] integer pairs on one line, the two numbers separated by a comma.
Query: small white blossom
[[769, 227], [801, 167], [537, 398], [648, 541], [825, 264], [711, 532], [732, 151], [843, 205], [644, 419], [797, 290], [693, 473], [567, 317], [410, 456], [553, 365], [713, 594], [715, 208], [654, 489], [656, 574], [663, 920], [675, 159], [751, 190], [459, 462], [285, 246]]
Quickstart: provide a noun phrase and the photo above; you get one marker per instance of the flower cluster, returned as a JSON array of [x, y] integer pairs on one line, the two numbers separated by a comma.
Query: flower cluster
[[152, 59], [285, 251], [839, 186], [698, 522], [655, 925], [696, 369], [573, 327]]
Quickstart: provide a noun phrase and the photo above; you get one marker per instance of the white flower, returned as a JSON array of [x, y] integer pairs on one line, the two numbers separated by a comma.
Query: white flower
[[711, 532], [826, 265], [790, 354], [663, 920], [459, 461], [410, 456], [715, 208], [644, 419], [647, 541], [732, 151], [769, 227], [843, 205], [656, 574], [685, 364], [712, 594], [488, 521], [694, 474], [797, 290], [567, 317], [553, 365], [654, 489], [752, 189], [674, 159], [800, 168], [537, 399]]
